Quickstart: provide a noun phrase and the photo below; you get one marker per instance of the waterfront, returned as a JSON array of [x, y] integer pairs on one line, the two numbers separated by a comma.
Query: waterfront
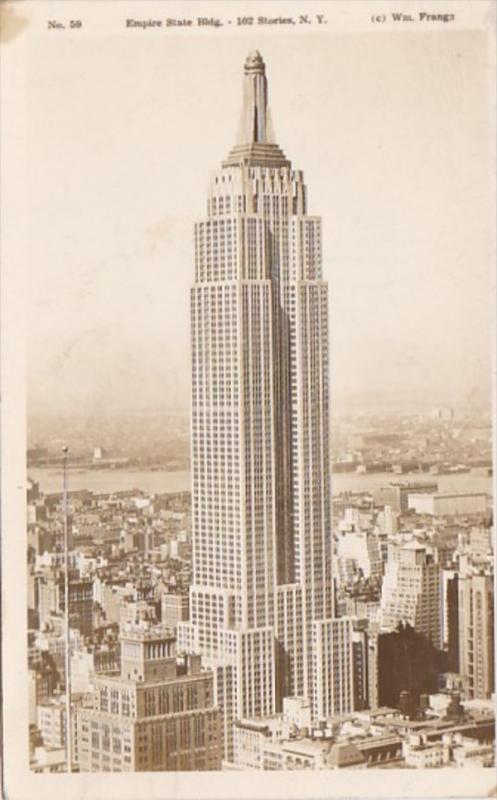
[[162, 481]]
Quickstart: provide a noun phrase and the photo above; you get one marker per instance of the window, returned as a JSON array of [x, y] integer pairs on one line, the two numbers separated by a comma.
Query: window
[[105, 738], [104, 698], [114, 701], [125, 701]]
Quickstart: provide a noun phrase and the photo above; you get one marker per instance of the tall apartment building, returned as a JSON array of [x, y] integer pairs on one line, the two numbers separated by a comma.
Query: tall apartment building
[[476, 634], [411, 591], [360, 549], [373, 685], [360, 657], [332, 652], [51, 598], [449, 617], [260, 428], [157, 713], [174, 608]]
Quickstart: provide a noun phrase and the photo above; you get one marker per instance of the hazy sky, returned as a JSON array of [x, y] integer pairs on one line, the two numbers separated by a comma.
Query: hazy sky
[[392, 133]]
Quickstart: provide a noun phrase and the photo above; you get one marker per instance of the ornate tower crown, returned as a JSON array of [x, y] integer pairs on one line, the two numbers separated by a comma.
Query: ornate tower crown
[[255, 141]]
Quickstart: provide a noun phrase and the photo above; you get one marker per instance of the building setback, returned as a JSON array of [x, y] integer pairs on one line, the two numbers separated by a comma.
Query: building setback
[[260, 427]]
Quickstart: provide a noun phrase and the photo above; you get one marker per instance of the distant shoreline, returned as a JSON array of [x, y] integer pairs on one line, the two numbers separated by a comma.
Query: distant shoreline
[[153, 481]]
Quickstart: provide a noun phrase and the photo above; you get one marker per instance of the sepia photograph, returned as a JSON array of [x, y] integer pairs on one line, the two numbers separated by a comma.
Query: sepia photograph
[[248, 374]]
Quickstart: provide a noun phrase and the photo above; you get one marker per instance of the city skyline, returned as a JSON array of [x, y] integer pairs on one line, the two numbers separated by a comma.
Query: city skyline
[[411, 285], [260, 614]]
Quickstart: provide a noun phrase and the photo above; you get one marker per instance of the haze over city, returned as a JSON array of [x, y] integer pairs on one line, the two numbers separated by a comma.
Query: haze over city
[[395, 143]]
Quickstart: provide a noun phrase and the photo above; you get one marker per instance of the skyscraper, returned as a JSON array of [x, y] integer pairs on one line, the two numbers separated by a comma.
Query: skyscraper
[[260, 427]]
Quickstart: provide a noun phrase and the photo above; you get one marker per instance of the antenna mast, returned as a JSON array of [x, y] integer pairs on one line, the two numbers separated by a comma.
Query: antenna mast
[[67, 625]]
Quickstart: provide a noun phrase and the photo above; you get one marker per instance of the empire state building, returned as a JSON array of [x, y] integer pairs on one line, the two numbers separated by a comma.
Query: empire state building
[[262, 597]]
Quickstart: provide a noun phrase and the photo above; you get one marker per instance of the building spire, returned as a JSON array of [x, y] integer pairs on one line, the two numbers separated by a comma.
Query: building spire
[[255, 141], [254, 128]]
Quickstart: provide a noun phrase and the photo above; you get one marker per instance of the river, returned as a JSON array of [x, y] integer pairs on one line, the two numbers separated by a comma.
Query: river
[[114, 480]]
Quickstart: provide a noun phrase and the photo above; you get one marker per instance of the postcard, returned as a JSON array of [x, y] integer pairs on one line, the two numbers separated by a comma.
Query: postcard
[[248, 370]]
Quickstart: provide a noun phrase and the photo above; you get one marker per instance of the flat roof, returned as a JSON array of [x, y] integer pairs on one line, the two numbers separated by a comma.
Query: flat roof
[[444, 495]]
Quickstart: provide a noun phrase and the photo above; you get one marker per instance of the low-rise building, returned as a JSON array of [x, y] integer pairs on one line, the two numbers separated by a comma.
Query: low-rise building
[[422, 754], [46, 760], [467, 752], [397, 494], [448, 503], [51, 720]]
